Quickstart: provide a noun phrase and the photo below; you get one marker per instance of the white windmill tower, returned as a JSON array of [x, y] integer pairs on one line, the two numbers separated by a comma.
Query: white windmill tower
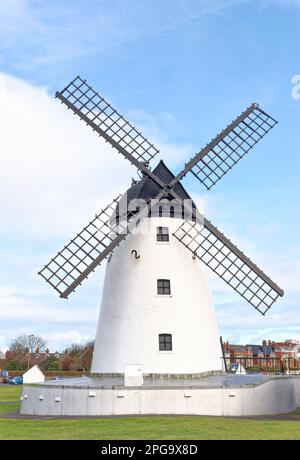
[[157, 308]]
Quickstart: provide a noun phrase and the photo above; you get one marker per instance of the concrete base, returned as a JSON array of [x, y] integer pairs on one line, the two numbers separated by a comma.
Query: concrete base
[[228, 395]]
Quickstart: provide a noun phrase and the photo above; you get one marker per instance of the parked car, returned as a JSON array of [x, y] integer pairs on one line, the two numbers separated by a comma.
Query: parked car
[[16, 380]]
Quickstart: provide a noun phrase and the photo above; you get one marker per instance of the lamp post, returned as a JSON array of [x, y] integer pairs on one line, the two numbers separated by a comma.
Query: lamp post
[[28, 348]]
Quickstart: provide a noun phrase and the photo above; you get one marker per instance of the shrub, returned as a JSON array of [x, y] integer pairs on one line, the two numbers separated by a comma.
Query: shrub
[[15, 366], [50, 364]]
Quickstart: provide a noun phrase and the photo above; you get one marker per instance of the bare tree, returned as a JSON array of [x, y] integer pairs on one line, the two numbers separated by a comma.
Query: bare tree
[[74, 350], [81, 356], [28, 344], [87, 355]]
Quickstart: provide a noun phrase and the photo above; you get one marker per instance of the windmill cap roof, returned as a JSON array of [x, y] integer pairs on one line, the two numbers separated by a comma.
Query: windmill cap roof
[[147, 189], [143, 192]]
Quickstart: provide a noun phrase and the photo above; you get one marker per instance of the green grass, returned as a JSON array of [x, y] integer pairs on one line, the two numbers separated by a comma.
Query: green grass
[[10, 393], [149, 428], [9, 407], [9, 398], [179, 427]]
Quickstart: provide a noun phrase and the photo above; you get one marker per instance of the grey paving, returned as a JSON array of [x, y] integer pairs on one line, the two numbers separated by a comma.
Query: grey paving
[[216, 381]]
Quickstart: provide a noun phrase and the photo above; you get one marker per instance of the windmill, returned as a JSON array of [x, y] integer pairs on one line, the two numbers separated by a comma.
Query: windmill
[[156, 308]]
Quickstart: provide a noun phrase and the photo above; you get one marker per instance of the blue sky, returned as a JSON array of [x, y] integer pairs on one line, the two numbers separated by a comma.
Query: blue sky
[[181, 71]]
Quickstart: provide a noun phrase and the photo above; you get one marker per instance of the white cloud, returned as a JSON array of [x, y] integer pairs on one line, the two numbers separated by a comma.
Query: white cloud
[[21, 305], [240, 323], [65, 338], [36, 310], [55, 172]]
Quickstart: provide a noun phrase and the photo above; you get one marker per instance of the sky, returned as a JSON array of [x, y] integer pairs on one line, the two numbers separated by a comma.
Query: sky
[[180, 71]]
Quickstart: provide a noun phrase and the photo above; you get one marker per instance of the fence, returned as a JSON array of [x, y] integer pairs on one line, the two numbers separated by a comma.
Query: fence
[[267, 364], [52, 374]]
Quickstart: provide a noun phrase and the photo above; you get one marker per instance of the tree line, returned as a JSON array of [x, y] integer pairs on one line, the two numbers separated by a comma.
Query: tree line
[[27, 350]]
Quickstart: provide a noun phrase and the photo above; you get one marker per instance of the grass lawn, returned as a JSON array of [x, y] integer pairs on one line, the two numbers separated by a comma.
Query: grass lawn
[[10, 393], [177, 427], [9, 398]]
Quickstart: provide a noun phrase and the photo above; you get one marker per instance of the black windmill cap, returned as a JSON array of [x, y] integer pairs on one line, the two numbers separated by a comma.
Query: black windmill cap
[[147, 189]]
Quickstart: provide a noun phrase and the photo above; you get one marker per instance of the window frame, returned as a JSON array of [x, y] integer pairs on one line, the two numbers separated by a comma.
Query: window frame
[[162, 237], [165, 342], [163, 286]]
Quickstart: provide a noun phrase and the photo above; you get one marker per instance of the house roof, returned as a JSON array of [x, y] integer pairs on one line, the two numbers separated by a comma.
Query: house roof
[[266, 350], [284, 349], [256, 349], [238, 348]]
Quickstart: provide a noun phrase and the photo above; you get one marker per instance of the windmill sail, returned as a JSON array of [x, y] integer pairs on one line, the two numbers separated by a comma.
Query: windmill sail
[[106, 120], [208, 244], [229, 147], [85, 251], [93, 244]]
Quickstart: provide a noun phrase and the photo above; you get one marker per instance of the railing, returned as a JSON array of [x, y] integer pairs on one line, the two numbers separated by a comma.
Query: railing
[[267, 364], [52, 374]]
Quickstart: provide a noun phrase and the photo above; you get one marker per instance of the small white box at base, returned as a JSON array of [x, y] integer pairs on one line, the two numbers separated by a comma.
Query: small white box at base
[[133, 376]]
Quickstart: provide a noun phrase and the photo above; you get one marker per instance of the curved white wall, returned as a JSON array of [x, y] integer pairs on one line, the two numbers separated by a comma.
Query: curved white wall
[[280, 395], [132, 314]]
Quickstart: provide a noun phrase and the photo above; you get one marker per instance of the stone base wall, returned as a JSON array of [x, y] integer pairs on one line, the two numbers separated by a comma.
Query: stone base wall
[[272, 397]]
